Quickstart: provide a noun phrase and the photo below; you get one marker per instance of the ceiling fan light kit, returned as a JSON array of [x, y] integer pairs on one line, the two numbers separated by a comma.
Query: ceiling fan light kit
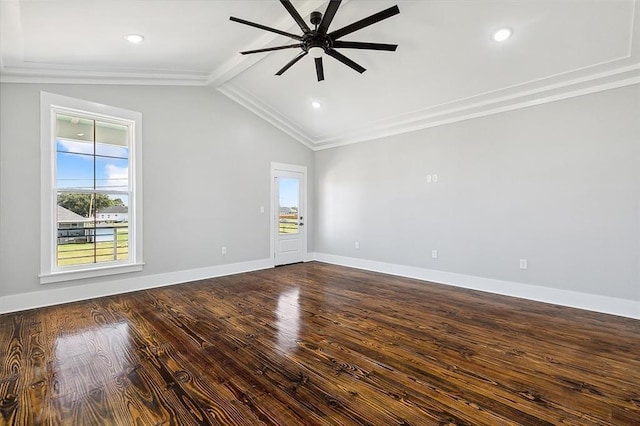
[[318, 41]]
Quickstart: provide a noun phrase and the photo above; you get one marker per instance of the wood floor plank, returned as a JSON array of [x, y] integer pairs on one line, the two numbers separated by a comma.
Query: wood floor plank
[[233, 349], [12, 365], [317, 344], [209, 402]]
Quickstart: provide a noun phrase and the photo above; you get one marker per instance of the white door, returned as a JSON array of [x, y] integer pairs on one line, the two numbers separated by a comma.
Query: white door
[[288, 207]]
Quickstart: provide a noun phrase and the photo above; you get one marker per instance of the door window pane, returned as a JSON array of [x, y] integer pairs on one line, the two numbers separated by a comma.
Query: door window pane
[[289, 194]]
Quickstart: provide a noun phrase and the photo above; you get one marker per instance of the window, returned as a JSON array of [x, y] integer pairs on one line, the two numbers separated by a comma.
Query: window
[[91, 164]]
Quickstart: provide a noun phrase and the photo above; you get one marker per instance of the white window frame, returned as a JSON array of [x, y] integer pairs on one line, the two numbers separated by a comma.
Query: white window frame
[[50, 105]]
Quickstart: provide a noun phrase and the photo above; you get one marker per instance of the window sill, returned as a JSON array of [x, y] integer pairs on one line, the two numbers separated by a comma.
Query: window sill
[[79, 274]]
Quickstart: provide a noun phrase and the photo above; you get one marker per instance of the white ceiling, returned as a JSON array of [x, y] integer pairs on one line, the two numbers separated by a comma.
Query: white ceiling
[[446, 68]]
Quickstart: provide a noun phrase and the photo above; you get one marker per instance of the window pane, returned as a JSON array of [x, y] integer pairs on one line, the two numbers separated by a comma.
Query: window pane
[[112, 229], [74, 146], [74, 246], [288, 190], [110, 136], [74, 171], [74, 128], [92, 228], [112, 174], [112, 241], [74, 152]]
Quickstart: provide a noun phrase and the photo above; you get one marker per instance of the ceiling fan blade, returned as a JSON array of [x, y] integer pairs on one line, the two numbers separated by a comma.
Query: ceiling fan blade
[[269, 49], [319, 69], [370, 20], [262, 27], [291, 62], [348, 62], [332, 8], [362, 45], [296, 16]]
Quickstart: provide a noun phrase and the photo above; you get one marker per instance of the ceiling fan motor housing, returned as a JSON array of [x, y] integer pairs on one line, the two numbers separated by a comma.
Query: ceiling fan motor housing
[[314, 39], [316, 18]]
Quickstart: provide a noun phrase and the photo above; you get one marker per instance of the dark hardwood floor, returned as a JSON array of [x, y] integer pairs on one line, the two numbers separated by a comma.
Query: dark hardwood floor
[[317, 344]]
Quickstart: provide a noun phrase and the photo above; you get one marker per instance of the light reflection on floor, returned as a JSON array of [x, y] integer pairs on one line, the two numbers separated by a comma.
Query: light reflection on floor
[[288, 320], [101, 353]]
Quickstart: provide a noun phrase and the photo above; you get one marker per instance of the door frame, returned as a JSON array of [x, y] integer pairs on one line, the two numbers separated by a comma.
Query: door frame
[[275, 168]]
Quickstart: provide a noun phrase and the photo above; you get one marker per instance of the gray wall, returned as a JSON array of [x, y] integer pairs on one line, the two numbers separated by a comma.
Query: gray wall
[[557, 184], [206, 165]]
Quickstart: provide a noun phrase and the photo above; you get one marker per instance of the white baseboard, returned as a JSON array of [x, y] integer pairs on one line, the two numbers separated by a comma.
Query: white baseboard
[[591, 302], [38, 299]]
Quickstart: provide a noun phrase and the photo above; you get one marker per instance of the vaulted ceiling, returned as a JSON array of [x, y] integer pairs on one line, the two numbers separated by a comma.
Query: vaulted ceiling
[[447, 66]]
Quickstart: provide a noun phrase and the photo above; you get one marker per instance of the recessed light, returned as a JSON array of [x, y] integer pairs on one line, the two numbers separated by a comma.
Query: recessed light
[[80, 134], [134, 38], [502, 34], [316, 104]]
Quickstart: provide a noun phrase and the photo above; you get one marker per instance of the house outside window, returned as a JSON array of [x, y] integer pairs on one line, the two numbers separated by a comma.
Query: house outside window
[[91, 165]]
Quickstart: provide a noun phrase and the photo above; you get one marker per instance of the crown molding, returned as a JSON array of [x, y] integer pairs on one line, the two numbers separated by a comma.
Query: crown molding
[[579, 82], [480, 106], [503, 100], [267, 113], [77, 76]]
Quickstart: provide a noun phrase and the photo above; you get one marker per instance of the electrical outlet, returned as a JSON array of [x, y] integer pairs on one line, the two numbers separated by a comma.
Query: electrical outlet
[[357, 244], [224, 251], [434, 178], [523, 264], [428, 178], [261, 209], [434, 254]]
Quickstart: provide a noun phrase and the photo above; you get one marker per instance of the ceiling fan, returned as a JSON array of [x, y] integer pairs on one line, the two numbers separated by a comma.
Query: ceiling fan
[[318, 40]]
